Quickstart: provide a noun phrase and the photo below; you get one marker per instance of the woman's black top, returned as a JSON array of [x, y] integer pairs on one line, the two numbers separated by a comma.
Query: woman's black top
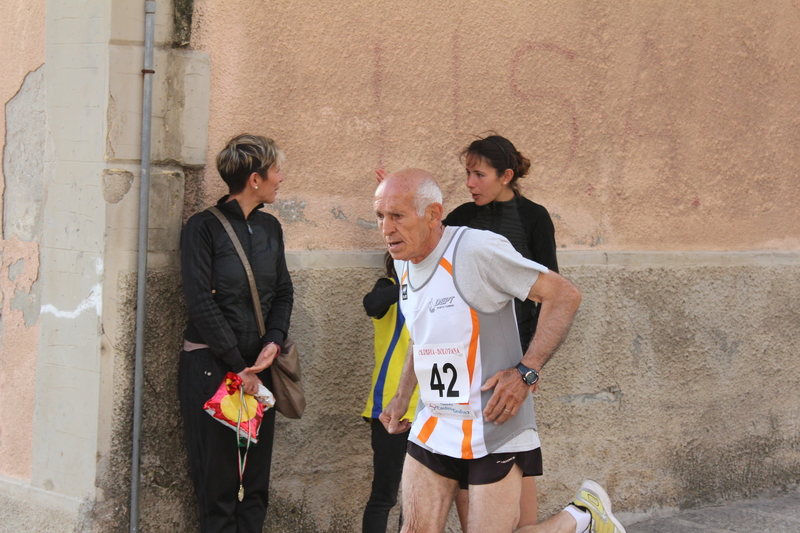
[[216, 289], [529, 229]]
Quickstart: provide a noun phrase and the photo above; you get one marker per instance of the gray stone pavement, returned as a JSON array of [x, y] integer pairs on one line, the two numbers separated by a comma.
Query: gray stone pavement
[[779, 514]]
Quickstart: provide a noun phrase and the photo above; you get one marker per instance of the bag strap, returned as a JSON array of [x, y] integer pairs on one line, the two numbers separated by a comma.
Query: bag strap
[[262, 330]]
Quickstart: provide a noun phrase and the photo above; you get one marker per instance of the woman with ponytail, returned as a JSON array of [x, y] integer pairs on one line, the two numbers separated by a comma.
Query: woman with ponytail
[[493, 170]]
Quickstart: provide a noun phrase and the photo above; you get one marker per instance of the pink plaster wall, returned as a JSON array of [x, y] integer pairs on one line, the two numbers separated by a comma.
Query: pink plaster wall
[[652, 126], [17, 360], [22, 50]]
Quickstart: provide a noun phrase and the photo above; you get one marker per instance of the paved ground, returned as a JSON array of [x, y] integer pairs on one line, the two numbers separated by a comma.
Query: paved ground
[[780, 514]]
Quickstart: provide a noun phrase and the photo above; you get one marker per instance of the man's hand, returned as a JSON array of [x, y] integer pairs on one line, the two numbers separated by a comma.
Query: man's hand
[[395, 410], [509, 393], [391, 416], [380, 175]]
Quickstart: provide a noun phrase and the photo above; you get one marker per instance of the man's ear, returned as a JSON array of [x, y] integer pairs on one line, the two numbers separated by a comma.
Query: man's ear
[[435, 212]]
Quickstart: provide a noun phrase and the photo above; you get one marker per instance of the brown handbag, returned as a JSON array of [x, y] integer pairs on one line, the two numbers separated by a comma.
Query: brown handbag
[[290, 399]]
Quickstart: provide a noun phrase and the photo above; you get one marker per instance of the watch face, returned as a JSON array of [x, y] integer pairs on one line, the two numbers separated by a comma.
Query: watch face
[[529, 375]]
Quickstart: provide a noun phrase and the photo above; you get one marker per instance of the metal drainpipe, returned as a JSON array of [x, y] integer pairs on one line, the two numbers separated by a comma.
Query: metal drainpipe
[[144, 222]]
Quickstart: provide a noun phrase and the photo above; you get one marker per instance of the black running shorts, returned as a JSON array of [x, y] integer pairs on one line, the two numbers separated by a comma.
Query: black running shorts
[[488, 469]]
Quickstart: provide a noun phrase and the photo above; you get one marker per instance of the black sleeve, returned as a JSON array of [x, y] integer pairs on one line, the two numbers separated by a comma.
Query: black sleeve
[[461, 215], [197, 245], [277, 321], [380, 299], [543, 247], [540, 233]]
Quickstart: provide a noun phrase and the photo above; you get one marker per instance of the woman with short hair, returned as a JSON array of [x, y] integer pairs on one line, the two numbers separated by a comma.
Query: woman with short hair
[[222, 334]]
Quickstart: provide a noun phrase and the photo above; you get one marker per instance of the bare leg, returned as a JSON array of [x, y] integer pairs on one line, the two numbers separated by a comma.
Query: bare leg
[[528, 503], [494, 508], [427, 498], [462, 506]]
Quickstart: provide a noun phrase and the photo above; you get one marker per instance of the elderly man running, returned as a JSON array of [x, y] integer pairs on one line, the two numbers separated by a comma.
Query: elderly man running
[[475, 424]]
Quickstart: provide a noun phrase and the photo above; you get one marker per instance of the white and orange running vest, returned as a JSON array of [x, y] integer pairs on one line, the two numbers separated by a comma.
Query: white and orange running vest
[[456, 349]]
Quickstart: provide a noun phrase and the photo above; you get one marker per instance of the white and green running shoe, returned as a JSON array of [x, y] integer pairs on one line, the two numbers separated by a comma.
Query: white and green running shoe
[[594, 499]]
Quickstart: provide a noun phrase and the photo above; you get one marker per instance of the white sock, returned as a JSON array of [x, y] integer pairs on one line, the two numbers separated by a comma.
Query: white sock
[[583, 518]]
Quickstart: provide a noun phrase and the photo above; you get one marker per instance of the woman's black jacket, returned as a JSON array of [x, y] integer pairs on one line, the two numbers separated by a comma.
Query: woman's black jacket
[[216, 289]]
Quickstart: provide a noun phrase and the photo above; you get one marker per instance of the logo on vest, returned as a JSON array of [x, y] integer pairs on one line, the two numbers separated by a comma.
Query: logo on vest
[[404, 291], [440, 303]]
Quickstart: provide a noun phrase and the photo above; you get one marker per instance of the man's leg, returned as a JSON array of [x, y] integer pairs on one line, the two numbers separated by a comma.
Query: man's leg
[[427, 498], [462, 507], [495, 507], [528, 503], [560, 523], [591, 510]]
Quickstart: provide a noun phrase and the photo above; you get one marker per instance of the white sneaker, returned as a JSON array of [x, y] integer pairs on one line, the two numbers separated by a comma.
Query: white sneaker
[[594, 499]]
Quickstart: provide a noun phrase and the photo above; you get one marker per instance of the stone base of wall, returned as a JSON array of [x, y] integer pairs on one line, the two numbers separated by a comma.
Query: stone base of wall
[[23, 508]]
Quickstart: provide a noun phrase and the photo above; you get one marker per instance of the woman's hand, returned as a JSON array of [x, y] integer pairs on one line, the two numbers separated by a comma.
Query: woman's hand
[[250, 381], [265, 359], [380, 175], [268, 354]]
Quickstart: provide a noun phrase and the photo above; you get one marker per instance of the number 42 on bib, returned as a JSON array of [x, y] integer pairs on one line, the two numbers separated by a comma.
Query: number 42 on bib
[[443, 378]]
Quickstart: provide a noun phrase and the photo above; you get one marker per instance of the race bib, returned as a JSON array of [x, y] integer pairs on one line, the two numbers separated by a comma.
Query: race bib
[[442, 373]]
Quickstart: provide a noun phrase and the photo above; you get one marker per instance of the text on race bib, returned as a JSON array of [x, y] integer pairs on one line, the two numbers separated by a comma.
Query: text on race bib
[[442, 373]]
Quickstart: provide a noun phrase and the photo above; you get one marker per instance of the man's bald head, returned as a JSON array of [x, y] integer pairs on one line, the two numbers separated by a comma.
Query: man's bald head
[[408, 205], [414, 181]]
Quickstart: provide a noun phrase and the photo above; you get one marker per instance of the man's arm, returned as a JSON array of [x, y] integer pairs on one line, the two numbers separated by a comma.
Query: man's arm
[[391, 417], [560, 300]]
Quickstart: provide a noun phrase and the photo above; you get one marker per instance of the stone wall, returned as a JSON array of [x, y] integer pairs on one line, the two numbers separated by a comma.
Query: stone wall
[[676, 388]]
